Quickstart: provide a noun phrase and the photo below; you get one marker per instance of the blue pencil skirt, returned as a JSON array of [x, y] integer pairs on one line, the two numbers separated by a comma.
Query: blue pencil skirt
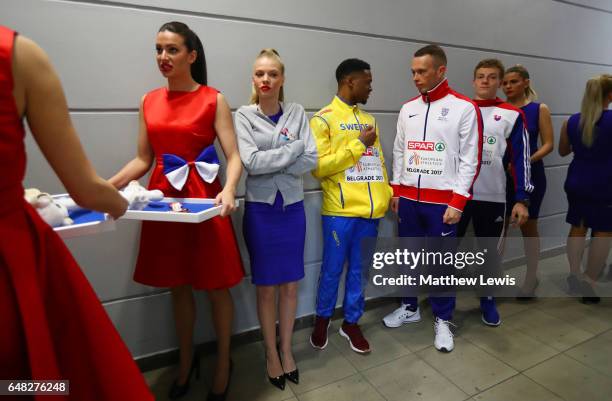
[[275, 239]]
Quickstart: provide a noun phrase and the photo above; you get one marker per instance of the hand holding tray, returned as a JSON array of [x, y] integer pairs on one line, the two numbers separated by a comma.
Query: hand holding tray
[[86, 222]]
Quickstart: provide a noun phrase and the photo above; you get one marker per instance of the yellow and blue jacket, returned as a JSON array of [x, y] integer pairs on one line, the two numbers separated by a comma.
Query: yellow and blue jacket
[[353, 178]]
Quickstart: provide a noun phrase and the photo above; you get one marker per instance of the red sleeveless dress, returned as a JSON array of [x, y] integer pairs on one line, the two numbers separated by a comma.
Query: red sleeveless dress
[[53, 325], [204, 255]]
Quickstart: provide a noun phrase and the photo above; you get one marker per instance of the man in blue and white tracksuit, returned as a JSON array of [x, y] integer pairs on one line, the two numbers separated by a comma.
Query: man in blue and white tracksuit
[[505, 141], [436, 159]]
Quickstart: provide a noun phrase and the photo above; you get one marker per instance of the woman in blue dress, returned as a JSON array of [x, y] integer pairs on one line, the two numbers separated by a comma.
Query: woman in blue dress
[[519, 92], [588, 135], [276, 148]]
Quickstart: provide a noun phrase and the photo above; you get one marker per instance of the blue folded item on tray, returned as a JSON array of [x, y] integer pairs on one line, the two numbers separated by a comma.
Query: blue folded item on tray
[[81, 216], [165, 207]]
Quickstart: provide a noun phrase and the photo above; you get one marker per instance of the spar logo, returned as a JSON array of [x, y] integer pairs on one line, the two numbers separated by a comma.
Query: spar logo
[[440, 146], [421, 145]]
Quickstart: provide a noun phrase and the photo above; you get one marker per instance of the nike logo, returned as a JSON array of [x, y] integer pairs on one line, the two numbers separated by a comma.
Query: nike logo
[[412, 115], [447, 234]]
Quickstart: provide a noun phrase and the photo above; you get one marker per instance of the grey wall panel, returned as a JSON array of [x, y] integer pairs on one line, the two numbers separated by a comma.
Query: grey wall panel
[[554, 199], [109, 139], [145, 323], [553, 231], [520, 26], [116, 76], [307, 296], [388, 225], [553, 158], [553, 234], [387, 128], [108, 261], [601, 5], [313, 250]]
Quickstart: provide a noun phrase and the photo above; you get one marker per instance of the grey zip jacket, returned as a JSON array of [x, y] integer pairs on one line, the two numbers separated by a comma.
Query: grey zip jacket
[[275, 156]]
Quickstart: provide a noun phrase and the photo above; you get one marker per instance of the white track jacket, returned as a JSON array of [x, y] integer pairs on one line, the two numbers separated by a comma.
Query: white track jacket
[[438, 148], [505, 141]]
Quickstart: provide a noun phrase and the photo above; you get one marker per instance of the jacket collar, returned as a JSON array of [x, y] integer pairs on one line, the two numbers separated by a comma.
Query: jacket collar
[[488, 102], [437, 93], [338, 102]]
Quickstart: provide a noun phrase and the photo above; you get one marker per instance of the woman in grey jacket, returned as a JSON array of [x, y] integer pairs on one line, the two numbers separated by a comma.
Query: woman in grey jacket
[[276, 148]]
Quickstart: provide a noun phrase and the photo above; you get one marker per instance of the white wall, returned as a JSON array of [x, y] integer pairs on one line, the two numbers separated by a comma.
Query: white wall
[[104, 53]]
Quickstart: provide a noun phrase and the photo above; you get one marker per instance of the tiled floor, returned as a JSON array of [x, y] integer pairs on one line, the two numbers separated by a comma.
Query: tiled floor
[[550, 349]]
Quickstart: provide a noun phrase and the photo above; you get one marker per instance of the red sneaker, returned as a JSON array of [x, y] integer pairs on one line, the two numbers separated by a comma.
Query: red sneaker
[[318, 338], [353, 334]]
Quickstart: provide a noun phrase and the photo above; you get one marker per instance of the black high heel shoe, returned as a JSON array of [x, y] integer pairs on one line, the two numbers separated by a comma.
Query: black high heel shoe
[[221, 397], [278, 381], [293, 376], [179, 390]]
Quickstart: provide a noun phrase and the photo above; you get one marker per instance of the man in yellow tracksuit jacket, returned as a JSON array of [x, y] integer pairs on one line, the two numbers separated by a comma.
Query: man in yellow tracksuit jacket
[[356, 194]]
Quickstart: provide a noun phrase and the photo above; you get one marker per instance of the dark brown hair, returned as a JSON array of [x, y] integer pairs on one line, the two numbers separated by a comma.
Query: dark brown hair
[[192, 42], [435, 52]]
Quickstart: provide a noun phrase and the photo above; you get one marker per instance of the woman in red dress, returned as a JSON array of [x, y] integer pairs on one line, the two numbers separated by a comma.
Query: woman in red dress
[[53, 326], [180, 123]]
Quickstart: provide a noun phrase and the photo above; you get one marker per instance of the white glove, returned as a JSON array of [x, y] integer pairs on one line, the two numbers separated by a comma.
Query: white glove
[[139, 197], [68, 203], [51, 211]]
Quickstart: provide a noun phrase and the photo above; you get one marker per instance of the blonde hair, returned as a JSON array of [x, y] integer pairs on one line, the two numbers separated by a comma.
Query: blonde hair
[[593, 102], [530, 93], [271, 54]]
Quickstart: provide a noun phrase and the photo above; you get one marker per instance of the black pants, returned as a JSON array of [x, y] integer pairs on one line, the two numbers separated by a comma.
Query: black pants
[[488, 221], [487, 218]]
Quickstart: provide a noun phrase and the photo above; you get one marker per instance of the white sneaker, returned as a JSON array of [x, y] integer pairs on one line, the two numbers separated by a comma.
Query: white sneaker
[[444, 337], [402, 315]]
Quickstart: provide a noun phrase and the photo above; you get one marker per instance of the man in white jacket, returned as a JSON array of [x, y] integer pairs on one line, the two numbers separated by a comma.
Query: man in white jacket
[[436, 159], [506, 142]]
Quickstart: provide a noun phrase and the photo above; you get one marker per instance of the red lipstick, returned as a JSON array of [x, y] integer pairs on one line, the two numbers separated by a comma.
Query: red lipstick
[[165, 67]]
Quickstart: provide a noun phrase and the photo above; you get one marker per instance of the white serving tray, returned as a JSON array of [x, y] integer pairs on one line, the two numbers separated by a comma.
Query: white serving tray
[[80, 230], [102, 224], [165, 213]]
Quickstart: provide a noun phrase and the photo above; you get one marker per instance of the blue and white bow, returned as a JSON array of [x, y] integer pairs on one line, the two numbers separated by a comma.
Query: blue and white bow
[[176, 169]]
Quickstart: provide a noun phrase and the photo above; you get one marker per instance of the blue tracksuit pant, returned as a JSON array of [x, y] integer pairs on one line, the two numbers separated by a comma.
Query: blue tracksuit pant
[[342, 243], [419, 219]]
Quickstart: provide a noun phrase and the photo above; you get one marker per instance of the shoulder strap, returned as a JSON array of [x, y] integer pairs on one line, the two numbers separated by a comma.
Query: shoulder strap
[[7, 39]]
